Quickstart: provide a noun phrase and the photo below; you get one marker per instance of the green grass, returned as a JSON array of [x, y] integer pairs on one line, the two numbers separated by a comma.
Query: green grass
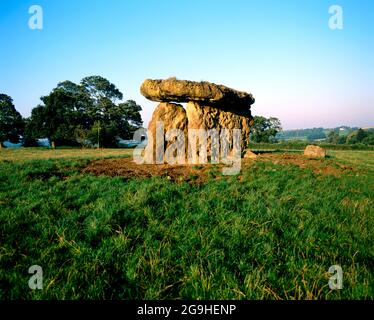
[[24, 154], [272, 234], [360, 159]]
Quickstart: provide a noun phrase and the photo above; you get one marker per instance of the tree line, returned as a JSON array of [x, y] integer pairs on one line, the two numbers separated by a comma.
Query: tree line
[[359, 136], [87, 113], [339, 135], [308, 134]]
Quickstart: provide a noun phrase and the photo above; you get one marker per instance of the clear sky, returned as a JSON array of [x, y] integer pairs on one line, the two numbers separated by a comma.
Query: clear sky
[[283, 52]]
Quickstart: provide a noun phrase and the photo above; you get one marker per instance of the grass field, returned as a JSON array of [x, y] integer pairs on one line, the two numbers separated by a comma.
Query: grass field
[[24, 154], [271, 233]]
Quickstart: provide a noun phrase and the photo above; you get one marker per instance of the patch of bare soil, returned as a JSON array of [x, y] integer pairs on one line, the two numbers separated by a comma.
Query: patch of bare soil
[[197, 174], [320, 166], [125, 167]]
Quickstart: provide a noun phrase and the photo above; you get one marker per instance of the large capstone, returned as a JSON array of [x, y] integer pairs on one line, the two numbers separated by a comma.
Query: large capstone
[[206, 93]]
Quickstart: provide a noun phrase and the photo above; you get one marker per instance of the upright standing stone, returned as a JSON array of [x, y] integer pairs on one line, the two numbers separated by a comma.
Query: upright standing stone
[[172, 116], [208, 117]]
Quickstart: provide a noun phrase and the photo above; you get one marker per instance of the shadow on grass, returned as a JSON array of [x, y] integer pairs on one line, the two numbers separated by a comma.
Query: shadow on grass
[[275, 151]]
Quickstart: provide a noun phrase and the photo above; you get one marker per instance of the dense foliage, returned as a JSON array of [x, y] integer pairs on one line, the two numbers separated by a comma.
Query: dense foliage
[[11, 122], [340, 135], [84, 113], [265, 129]]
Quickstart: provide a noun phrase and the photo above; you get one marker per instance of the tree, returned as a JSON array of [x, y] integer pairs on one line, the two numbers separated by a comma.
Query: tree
[[118, 121], [82, 102], [11, 122], [130, 118], [82, 136], [333, 137], [102, 96], [361, 135], [103, 136], [56, 119], [34, 127], [98, 87], [315, 134], [369, 139], [85, 112], [265, 130], [352, 138], [29, 139], [342, 139], [358, 136], [108, 119], [131, 112]]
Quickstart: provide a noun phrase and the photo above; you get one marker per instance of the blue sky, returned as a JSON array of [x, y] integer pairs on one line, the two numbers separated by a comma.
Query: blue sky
[[283, 52]]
